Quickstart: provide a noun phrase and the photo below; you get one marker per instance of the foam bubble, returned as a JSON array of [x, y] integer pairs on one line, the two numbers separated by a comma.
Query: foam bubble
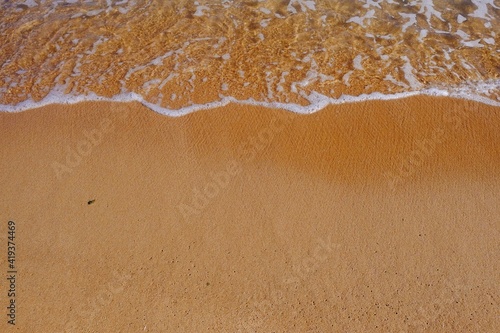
[[317, 101]]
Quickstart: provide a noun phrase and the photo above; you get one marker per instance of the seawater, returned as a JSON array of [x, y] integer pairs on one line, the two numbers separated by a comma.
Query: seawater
[[180, 56]]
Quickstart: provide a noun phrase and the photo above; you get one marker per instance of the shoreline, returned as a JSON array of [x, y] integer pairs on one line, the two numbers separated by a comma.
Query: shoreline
[[318, 101], [377, 216]]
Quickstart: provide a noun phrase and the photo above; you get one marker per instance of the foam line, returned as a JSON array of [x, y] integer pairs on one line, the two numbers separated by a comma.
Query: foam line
[[317, 101]]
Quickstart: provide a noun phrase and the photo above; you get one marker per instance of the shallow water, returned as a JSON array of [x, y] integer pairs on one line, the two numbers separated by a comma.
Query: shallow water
[[299, 55]]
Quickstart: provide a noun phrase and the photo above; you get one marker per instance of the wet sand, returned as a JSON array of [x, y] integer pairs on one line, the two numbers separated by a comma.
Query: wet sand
[[381, 216]]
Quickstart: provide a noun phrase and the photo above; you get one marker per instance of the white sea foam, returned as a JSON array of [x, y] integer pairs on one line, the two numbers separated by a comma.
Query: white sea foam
[[412, 19], [357, 62], [409, 75], [482, 8], [317, 101], [361, 19], [461, 19], [303, 4], [331, 60]]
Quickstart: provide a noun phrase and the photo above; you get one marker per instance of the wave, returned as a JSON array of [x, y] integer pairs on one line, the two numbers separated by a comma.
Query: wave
[[318, 101], [298, 55]]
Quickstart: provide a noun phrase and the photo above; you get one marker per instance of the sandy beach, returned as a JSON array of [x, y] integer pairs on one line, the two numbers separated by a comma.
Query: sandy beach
[[380, 216]]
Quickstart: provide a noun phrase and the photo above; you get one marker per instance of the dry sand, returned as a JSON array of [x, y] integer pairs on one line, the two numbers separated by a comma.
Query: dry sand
[[371, 217]]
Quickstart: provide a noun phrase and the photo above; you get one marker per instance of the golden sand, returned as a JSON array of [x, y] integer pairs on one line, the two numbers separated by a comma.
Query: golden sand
[[369, 217]]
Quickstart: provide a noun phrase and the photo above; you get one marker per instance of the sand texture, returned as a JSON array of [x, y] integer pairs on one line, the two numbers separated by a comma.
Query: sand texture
[[381, 216]]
